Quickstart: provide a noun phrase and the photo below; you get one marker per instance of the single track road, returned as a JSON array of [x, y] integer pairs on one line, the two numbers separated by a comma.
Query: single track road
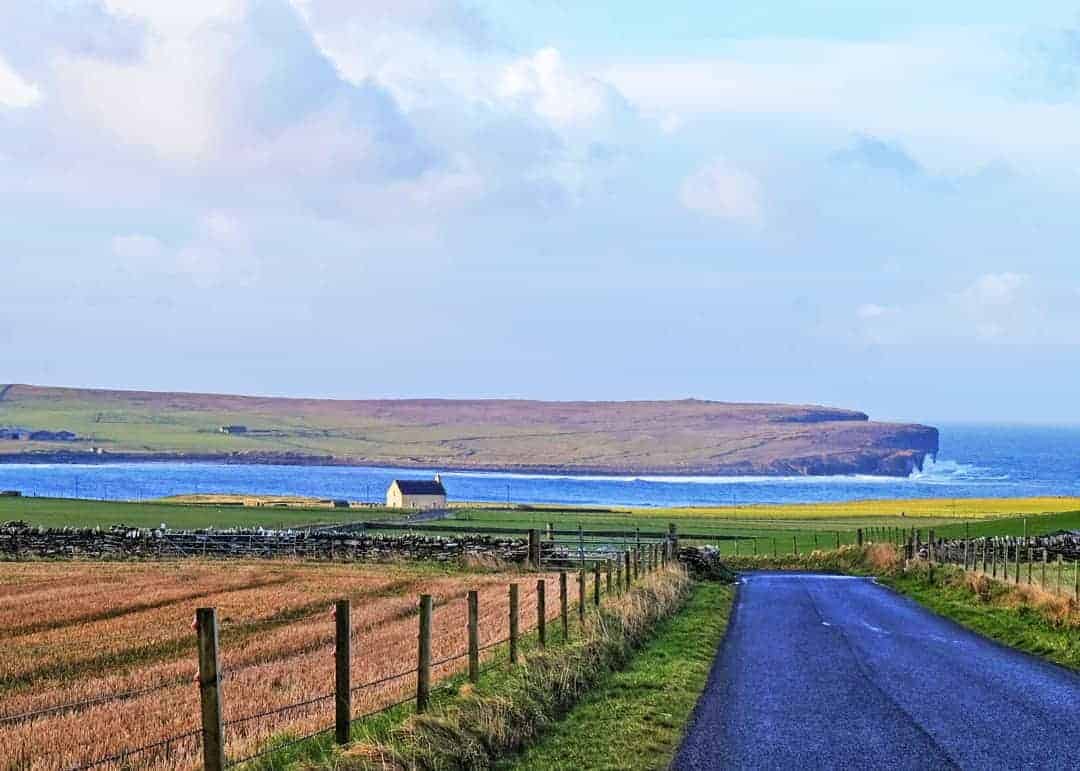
[[834, 672]]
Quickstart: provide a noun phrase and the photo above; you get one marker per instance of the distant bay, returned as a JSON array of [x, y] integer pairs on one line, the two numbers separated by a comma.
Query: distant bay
[[975, 462]]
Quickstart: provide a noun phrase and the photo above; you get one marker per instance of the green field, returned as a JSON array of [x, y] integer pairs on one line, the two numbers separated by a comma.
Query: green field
[[763, 528], [67, 512]]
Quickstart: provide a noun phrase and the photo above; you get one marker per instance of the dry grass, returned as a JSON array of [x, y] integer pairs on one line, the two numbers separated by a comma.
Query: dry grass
[[482, 726], [1062, 612], [76, 631]]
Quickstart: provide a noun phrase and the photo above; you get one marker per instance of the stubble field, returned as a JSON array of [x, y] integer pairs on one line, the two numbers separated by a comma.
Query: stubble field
[[98, 661]]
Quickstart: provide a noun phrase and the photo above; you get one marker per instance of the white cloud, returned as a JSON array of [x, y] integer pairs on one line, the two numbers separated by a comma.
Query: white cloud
[[14, 91], [221, 252], [944, 92], [178, 17], [136, 246], [544, 84], [871, 311], [720, 190], [994, 289], [169, 102]]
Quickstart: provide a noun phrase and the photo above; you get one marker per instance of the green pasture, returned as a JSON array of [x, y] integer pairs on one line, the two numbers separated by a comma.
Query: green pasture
[[69, 512]]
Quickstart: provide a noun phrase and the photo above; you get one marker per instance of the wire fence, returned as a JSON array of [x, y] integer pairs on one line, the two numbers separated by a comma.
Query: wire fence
[[1050, 563], [311, 716]]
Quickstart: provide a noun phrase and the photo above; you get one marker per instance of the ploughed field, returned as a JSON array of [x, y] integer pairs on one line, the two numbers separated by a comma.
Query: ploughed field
[[99, 659]]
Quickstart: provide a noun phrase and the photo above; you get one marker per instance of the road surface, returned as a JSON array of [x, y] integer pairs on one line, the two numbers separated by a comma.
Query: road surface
[[836, 672]]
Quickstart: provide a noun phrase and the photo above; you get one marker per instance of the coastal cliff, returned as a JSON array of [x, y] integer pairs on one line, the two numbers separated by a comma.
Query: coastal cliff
[[686, 437]]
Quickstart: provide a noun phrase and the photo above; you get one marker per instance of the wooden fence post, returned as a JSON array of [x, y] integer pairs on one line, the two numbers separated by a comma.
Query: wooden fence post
[[581, 596], [541, 612], [673, 538], [859, 536], [1044, 559], [596, 584], [213, 729], [474, 635], [607, 570], [563, 602], [618, 575], [626, 559], [581, 545], [795, 545], [513, 623], [423, 664], [838, 540], [342, 672], [534, 548]]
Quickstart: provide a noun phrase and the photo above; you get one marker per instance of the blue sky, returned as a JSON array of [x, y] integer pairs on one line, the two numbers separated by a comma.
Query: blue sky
[[863, 204]]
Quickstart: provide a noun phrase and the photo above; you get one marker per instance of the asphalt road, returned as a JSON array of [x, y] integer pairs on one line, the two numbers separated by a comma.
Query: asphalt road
[[834, 672]]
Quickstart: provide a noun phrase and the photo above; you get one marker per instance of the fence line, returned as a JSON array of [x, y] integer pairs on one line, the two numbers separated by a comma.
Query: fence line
[[213, 736], [1018, 558]]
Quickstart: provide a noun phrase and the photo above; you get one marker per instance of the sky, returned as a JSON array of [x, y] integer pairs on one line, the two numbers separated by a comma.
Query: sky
[[870, 205]]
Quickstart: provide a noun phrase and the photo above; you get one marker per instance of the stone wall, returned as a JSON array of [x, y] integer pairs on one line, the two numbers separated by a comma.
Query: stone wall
[[17, 541]]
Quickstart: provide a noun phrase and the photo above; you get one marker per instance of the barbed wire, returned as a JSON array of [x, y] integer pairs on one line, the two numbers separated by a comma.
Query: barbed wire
[[166, 742], [494, 644], [278, 710], [385, 708], [384, 680], [448, 659], [93, 701]]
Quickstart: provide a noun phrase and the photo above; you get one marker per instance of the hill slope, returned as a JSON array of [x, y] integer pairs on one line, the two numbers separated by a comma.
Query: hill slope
[[669, 437]]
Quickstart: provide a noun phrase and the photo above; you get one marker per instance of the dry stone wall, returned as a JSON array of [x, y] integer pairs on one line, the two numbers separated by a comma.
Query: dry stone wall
[[18, 541]]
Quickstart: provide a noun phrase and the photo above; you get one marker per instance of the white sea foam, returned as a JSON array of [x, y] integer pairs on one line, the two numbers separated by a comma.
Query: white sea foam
[[936, 471]]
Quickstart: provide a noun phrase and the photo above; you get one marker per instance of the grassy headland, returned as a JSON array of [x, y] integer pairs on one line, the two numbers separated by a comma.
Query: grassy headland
[[643, 437]]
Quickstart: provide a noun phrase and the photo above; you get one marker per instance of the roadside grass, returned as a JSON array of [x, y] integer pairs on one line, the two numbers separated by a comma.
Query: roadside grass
[[1022, 617], [635, 718]]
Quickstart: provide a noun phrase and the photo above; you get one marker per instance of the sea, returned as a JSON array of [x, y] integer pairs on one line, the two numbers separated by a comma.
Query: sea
[[975, 461]]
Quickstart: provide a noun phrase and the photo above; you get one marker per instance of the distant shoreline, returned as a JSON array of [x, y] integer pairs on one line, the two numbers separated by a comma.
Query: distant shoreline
[[298, 460]]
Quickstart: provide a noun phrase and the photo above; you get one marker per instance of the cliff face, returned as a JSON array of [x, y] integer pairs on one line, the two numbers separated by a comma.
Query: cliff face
[[657, 437]]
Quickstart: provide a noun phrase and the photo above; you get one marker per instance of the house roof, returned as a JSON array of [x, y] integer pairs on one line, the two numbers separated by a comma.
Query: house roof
[[420, 486]]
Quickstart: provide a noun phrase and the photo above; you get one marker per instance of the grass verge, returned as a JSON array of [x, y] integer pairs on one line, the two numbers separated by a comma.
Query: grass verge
[[477, 726], [634, 718], [1021, 616]]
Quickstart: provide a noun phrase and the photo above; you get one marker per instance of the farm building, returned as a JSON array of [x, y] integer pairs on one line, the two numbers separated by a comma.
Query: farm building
[[416, 494], [233, 429]]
